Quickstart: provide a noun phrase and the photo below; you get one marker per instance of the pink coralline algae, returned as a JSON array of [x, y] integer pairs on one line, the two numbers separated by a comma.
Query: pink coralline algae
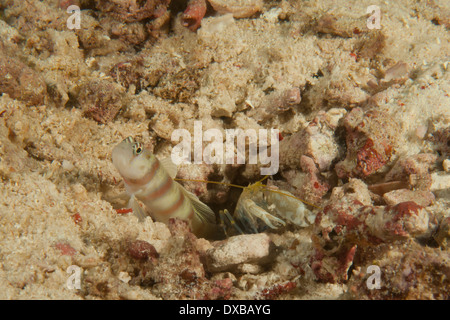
[[219, 289], [376, 224], [276, 290], [193, 15], [332, 267], [64, 4], [349, 226], [408, 271], [142, 250], [177, 272], [65, 249], [371, 140], [368, 159]]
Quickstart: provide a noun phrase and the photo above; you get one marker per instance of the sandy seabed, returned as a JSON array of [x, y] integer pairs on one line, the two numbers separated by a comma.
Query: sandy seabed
[[364, 122]]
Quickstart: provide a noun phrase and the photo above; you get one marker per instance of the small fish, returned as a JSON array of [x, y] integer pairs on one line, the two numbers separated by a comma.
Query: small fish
[[151, 181]]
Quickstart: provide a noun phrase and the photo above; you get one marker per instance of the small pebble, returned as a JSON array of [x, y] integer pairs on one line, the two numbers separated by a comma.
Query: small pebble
[[67, 165], [446, 165], [421, 197], [124, 277], [249, 248], [239, 8], [142, 250]]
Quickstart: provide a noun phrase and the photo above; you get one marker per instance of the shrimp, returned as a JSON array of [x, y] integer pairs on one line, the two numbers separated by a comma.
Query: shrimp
[[260, 207]]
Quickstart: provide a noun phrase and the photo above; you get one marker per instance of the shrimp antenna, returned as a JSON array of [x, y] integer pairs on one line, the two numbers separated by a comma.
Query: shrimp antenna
[[215, 182], [242, 187], [291, 196]]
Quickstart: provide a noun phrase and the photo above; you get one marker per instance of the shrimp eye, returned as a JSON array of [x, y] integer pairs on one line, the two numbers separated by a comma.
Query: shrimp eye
[[137, 148]]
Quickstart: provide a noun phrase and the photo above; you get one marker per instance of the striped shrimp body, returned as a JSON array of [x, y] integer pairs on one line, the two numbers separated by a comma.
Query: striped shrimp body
[[151, 181], [260, 207]]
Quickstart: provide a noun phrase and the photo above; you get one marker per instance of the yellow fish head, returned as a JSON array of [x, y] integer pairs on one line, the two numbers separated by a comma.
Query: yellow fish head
[[132, 159]]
